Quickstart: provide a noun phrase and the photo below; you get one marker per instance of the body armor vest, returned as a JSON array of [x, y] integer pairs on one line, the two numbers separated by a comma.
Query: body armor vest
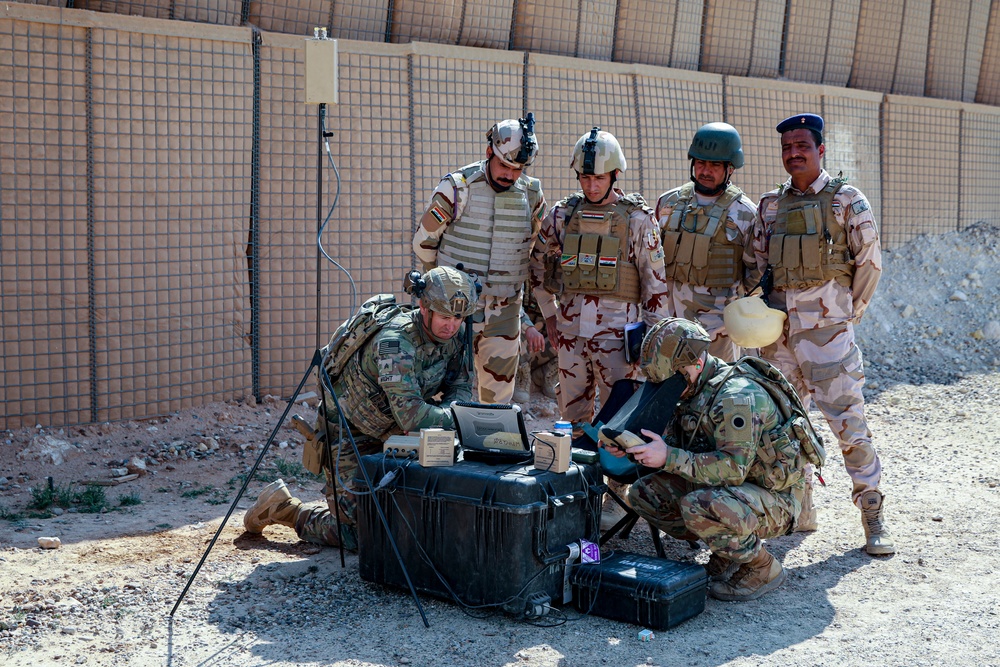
[[696, 249], [493, 236], [595, 250], [807, 247], [363, 401]]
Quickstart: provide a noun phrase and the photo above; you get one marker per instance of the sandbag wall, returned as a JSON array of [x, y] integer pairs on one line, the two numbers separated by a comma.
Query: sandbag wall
[[159, 179]]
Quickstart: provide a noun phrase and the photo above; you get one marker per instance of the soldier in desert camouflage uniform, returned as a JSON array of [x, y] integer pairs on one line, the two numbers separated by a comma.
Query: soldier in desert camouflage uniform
[[718, 480], [387, 388], [598, 266], [485, 217], [707, 228], [821, 239], [539, 359]]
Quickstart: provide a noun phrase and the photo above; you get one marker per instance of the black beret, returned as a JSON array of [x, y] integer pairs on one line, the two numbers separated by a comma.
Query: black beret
[[802, 121]]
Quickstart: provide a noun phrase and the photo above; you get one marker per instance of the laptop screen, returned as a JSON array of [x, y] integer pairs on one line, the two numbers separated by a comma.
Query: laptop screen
[[493, 429]]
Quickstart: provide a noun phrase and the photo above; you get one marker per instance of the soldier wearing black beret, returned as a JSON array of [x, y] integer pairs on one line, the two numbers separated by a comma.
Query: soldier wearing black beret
[[819, 236]]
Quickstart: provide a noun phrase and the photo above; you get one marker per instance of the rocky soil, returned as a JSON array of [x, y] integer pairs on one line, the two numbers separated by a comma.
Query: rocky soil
[[103, 596]]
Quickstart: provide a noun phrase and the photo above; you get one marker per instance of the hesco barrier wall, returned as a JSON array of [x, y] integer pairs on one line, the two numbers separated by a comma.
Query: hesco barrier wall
[[158, 184]]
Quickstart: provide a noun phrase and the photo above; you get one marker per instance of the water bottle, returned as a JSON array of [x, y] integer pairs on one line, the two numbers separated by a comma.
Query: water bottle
[[563, 426]]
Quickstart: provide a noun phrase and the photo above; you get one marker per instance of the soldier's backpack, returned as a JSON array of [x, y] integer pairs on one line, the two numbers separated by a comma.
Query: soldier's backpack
[[794, 442], [368, 320]]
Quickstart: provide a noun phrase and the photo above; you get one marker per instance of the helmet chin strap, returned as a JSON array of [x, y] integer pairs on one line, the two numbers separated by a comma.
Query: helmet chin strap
[[702, 190]]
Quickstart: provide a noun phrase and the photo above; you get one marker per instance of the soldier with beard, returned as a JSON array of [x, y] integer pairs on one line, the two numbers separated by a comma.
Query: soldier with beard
[[707, 228]]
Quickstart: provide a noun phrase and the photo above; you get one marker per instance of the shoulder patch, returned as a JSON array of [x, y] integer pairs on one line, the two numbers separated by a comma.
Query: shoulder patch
[[388, 347], [738, 417], [860, 206]]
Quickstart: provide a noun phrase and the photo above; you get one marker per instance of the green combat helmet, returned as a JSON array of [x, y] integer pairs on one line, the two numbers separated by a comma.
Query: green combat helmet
[[671, 344], [717, 142], [449, 291], [598, 152], [514, 142]]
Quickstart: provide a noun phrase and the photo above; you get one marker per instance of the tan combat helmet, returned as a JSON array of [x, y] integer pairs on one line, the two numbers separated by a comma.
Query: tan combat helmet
[[598, 152], [514, 142], [750, 323], [449, 291], [670, 345]]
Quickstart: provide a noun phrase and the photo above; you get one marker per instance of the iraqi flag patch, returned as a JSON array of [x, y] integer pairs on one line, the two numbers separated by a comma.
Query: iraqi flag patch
[[592, 215], [607, 261]]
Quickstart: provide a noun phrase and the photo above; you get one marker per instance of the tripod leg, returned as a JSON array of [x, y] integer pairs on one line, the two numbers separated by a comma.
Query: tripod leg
[[317, 358]]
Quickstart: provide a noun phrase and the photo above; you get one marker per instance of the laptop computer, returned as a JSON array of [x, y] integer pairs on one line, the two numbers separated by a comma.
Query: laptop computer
[[491, 433]]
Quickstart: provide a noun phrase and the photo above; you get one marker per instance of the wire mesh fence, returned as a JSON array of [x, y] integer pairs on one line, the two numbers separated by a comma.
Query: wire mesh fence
[[162, 183]]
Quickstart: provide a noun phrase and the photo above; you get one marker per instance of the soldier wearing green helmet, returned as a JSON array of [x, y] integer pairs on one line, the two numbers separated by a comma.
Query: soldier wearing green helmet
[[484, 218], [386, 388], [723, 475], [707, 226]]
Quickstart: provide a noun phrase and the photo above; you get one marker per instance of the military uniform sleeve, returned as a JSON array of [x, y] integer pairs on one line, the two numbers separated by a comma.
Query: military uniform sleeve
[[863, 239], [397, 378], [761, 233], [744, 216], [735, 424], [548, 242], [647, 253], [445, 206]]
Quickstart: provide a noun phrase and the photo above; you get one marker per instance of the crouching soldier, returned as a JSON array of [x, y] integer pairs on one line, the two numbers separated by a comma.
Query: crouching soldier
[[731, 462], [384, 388]]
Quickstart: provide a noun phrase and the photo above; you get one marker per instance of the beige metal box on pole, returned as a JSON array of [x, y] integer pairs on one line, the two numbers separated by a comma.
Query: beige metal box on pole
[[321, 69]]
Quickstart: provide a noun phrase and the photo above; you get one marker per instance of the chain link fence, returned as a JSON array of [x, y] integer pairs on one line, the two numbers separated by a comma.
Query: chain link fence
[[162, 181]]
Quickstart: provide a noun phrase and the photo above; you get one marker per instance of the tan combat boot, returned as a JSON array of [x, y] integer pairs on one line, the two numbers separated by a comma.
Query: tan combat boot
[[878, 541], [720, 569], [275, 504], [761, 575], [522, 384], [612, 512], [546, 377]]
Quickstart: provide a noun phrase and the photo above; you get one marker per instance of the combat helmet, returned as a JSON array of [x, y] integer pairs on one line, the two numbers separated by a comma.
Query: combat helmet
[[750, 323], [671, 344], [598, 152], [717, 142], [449, 291], [514, 142]]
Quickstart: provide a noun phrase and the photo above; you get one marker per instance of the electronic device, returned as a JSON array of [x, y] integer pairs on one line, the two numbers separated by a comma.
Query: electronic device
[[491, 433]]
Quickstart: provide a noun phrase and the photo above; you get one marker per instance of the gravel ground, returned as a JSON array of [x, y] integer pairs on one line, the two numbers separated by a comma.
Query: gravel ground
[[104, 596]]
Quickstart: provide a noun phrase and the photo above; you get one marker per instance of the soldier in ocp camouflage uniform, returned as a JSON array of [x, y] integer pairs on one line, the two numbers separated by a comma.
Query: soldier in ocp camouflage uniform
[[718, 481], [821, 240], [598, 266], [485, 217], [707, 228], [386, 388]]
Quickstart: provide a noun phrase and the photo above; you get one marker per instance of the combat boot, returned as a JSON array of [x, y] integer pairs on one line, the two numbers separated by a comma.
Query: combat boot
[[720, 568], [522, 384], [761, 575], [878, 541], [546, 377], [275, 504], [612, 512]]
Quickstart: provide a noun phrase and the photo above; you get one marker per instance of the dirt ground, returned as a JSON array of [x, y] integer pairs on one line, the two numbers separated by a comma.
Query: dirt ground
[[104, 596]]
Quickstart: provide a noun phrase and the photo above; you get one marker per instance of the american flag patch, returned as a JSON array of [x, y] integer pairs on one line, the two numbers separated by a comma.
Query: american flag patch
[[607, 261], [587, 259], [568, 261], [592, 215], [388, 347], [439, 214]]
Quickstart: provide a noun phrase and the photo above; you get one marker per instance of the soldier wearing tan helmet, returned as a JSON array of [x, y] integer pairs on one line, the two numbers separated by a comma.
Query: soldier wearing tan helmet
[[484, 218], [720, 476], [386, 388], [707, 228], [598, 268], [820, 238]]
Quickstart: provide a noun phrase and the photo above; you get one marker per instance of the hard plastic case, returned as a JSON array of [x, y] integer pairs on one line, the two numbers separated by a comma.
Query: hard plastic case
[[486, 534], [652, 592]]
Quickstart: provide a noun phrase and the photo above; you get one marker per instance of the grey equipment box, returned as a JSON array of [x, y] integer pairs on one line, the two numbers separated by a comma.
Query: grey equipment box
[[488, 535], [656, 593]]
